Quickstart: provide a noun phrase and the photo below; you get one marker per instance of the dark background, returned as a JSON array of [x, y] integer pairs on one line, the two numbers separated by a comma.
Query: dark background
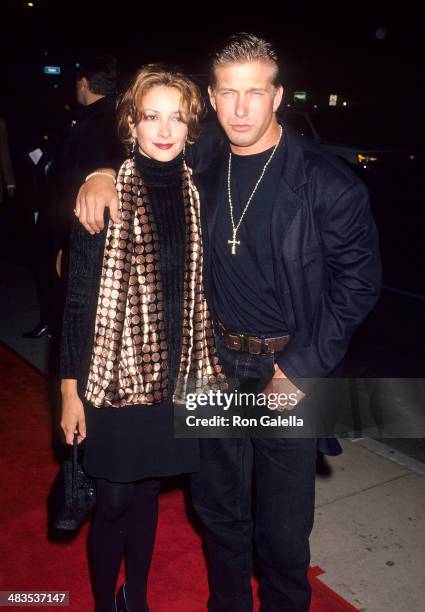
[[372, 52]]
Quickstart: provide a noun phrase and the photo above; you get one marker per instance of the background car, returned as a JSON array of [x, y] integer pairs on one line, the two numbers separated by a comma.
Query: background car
[[362, 138]]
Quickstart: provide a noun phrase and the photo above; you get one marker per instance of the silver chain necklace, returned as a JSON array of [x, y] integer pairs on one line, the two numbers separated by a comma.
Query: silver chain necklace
[[235, 228]]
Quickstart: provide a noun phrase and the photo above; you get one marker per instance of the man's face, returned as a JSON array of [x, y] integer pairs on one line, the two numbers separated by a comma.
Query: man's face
[[246, 101]]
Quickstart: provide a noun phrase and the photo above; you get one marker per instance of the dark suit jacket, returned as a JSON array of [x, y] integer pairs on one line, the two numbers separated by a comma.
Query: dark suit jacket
[[325, 250], [90, 142]]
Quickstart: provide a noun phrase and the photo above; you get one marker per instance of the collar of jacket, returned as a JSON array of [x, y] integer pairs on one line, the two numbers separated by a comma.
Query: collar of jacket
[[293, 168]]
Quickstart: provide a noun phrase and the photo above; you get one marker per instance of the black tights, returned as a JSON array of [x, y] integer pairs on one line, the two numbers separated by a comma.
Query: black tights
[[124, 523]]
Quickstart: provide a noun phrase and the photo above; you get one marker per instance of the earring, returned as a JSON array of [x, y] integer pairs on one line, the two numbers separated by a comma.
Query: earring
[[133, 147]]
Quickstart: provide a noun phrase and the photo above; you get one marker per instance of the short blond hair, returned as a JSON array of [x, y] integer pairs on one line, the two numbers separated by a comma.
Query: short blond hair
[[242, 48], [152, 75]]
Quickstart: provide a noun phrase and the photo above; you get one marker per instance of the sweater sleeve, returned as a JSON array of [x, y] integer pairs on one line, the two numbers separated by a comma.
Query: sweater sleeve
[[83, 279]]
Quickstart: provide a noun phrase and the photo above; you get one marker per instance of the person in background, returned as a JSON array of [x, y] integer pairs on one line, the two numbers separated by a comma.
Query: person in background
[[7, 175], [90, 140]]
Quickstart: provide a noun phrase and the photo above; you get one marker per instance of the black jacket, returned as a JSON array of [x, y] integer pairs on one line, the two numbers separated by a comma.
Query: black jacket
[[90, 142], [325, 251]]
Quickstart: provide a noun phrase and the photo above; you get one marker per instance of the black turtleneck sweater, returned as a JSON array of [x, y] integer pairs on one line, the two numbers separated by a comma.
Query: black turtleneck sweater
[[163, 181]]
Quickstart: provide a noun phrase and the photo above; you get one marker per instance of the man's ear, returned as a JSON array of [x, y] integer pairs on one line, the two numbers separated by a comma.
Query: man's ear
[[278, 98], [211, 93], [84, 83]]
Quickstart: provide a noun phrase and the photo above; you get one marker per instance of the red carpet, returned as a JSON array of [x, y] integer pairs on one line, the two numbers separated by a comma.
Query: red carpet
[[29, 561]]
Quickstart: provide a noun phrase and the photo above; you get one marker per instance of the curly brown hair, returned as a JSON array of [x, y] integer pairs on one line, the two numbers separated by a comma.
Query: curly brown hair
[[152, 75]]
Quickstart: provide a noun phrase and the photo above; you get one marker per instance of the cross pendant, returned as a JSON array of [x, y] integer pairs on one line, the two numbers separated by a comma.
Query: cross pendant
[[234, 242]]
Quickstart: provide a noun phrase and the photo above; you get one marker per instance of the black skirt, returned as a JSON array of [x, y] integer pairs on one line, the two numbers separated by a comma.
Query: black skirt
[[134, 442]]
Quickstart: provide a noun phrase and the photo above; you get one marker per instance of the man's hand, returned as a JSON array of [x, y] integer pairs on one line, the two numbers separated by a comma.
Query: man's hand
[[282, 387], [278, 372], [94, 196], [11, 190]]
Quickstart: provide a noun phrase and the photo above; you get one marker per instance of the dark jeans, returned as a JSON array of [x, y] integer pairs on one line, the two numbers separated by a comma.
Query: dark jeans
[[273, 519]]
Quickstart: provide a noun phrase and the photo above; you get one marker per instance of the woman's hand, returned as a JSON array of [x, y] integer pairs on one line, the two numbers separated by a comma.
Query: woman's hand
[[73, 418]]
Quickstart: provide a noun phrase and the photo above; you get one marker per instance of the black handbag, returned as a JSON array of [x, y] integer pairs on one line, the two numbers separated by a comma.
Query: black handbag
[[74, 491]]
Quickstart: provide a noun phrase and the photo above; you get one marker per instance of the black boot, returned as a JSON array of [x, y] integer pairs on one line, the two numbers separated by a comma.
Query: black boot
[[121, 600]]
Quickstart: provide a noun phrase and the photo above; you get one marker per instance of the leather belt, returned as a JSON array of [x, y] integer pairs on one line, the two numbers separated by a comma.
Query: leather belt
[[252, 344]]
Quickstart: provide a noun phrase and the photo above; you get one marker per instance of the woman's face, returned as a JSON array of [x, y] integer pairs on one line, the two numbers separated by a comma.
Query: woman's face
[[162, 131]]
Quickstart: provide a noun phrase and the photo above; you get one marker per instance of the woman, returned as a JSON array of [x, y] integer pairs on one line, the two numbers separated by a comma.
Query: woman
[[136, 332]]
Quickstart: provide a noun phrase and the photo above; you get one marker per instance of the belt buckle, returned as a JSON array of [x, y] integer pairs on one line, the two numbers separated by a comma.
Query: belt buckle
[[234, 342], [269, 345], [255, 345]]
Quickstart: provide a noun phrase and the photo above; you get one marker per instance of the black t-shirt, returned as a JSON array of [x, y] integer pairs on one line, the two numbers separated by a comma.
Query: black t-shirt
[[244, 292]]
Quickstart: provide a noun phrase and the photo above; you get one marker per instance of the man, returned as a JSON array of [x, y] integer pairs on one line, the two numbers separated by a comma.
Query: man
[[292, 262], [90, 140]]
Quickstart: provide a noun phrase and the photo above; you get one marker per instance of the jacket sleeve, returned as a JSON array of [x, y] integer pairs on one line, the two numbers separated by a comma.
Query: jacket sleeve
[[83, 277], [353, 280]]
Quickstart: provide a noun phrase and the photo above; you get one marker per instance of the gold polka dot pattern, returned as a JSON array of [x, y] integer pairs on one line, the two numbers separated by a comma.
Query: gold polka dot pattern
[[129, 358]]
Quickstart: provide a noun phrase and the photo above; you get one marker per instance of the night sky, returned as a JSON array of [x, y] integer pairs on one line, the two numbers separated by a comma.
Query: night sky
[[371, 52]]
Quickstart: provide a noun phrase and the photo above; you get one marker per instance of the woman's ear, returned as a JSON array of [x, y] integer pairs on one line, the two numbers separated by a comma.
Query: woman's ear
[[132, 126]]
